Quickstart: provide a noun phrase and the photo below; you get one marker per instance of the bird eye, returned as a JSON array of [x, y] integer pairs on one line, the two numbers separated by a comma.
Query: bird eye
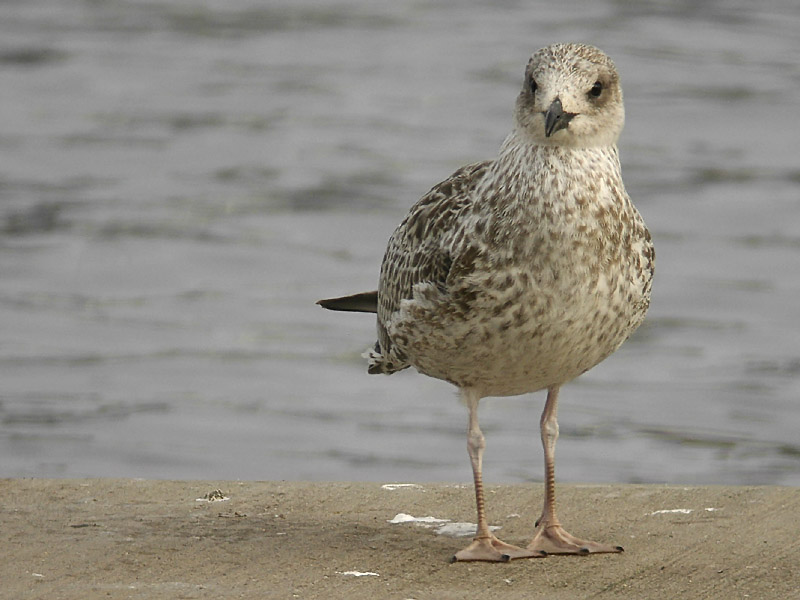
[[596, 90], [533, 86]]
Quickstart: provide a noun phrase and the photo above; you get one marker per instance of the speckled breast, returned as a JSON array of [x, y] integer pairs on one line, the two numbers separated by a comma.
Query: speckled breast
[[524, 320]]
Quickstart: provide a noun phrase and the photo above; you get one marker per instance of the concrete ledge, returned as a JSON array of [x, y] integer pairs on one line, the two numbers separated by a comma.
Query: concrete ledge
[[115, 538]]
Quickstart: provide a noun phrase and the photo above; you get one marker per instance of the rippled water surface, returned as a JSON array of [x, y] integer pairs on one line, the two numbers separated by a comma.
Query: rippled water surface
[[180, 181]]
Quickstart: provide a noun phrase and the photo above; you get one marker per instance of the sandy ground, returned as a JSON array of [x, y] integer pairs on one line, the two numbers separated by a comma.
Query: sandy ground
[[114, 538]]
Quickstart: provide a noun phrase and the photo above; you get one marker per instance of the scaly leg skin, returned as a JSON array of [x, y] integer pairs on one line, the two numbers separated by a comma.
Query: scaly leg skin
[[485, 546], [550, 536]]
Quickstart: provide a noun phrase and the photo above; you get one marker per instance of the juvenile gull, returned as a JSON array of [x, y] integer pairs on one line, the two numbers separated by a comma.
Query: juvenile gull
[[520, 273]]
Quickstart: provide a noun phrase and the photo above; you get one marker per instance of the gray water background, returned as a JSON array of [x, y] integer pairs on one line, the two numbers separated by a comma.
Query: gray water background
[[180, 181]]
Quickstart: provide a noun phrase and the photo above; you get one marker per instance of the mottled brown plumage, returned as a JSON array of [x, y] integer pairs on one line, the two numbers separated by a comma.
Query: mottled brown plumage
[[520, 273]]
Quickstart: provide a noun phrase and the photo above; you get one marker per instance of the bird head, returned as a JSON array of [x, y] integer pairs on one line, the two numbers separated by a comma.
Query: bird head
[[571, 97]]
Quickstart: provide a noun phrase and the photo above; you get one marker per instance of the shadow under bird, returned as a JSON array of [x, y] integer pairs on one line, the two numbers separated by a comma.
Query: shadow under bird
[[520, 273]]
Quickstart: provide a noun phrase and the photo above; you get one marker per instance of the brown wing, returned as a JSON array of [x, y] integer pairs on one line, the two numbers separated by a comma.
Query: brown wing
[[421, 248]]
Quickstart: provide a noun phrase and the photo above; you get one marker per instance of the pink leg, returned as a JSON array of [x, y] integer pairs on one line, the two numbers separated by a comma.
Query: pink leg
[[550, 536], [485, 546]]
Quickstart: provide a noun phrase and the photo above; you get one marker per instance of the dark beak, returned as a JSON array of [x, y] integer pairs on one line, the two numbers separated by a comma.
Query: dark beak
[[555, 118]]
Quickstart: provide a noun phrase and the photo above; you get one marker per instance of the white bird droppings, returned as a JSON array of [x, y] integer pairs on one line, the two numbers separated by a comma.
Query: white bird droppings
[[443, 526], [396, 486], [422, 521]]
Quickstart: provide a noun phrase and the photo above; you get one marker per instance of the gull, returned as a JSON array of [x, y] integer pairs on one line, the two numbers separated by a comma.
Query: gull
[[519, 274]]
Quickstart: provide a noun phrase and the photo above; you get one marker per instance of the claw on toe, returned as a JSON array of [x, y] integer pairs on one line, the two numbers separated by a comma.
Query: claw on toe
[[554, 539], [492, 549]]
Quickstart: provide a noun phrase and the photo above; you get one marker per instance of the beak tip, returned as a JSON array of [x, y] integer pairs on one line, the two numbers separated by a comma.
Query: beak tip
[[555, 118]]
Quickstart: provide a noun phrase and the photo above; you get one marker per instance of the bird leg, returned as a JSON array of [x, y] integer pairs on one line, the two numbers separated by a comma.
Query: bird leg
[[485, 546], [550, 537]]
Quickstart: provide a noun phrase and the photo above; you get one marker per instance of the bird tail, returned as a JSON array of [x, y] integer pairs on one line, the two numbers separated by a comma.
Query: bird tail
[[366, 302], [378, 359]]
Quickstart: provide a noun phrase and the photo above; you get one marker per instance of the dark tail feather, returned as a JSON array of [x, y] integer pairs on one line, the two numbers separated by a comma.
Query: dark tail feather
[[364, 302]]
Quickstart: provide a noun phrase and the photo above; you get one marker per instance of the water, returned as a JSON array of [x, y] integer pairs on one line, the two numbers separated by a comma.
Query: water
[[180, 181]]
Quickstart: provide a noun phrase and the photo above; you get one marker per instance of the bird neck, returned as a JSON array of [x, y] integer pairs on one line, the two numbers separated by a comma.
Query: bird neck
[[529, 170], [526, 158], [530, 182]]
